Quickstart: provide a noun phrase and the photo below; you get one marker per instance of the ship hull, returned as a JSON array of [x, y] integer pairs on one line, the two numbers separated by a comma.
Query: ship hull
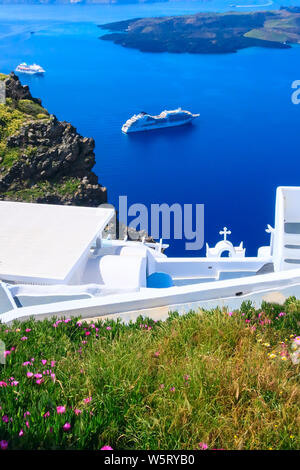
[[157, 126]]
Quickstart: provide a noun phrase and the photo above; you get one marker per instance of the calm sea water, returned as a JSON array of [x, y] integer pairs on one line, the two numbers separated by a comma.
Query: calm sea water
[[244, 145]]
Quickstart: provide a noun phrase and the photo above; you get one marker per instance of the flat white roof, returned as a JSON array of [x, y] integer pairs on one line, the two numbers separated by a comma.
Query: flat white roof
[[45, 243]]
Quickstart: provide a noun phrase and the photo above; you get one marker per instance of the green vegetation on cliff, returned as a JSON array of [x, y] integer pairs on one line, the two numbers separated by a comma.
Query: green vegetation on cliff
[[43, 159], [42, 188], [14, 115]]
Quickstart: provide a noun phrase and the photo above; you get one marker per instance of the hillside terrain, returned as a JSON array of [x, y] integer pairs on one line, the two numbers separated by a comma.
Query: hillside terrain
[[41, 158], [208, 33]]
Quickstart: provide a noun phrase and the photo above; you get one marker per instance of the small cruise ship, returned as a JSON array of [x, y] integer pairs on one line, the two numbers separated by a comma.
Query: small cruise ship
[[30, 69], [146, 122]]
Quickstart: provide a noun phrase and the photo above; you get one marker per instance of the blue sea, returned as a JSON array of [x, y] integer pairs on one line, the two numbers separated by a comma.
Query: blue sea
[[245, 143]]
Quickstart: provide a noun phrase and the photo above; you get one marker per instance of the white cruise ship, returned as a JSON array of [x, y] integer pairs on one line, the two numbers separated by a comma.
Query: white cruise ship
[[30, 69], [146, 122]]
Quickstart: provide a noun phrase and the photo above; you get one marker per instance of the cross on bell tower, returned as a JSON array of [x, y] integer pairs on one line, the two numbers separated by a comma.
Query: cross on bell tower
[[225, 232]]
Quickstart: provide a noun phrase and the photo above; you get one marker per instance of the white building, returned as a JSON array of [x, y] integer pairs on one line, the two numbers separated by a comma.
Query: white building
[[55, 261]]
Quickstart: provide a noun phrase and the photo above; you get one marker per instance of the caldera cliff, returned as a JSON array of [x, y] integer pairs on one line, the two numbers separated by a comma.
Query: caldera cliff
[[43, 159]]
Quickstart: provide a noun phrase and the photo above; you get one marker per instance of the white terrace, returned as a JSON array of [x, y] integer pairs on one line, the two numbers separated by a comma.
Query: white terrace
[[54, 260]]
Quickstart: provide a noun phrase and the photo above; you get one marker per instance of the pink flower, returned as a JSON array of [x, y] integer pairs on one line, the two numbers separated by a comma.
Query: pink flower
[[27, 424], [21, 433], [203, 446], [38, 376], [14, 383], [39, 381], [108, 327], [157, 353], [60, 409], [27, 363], [87, 400], [172, 389], [161, 386], [52, 377], [44, 362], [53, 363], [77, 411], [6, 353], [29, 374], [3, 445], [5, 419], [28, 330], [27, 413], [106, 448], [24, 338], [230, 314], [3, 384], [67, 427], [47, 414], [87, 333]]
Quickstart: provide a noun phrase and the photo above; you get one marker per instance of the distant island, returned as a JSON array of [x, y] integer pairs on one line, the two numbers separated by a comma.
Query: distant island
[[207, 33]]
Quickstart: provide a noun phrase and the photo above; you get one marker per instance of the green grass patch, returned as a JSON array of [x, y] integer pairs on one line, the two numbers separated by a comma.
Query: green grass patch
[[222, 378], [9, 155], [67, 187], [3, 76], [31, 108]]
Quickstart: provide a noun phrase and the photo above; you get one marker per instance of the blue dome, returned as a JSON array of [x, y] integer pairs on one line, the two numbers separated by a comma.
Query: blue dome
[[159, 280]]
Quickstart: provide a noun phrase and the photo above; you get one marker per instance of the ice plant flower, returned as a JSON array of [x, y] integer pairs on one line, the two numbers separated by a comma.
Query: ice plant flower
[[108, 327], [29, 374], [21, 433], [77, 411], [106, 448], [3, 445], [24, 338], [87, 400], [60, 410], [3, 384], [67, 427], [44, 362], [203, 446], [5, 419], [47, 414]]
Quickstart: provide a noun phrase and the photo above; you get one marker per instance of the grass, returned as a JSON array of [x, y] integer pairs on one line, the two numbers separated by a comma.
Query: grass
[[225, 379], [14, 115], [30, 194]]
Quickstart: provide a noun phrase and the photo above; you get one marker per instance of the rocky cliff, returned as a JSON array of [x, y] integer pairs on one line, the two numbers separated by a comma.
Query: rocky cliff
[[43, 159]]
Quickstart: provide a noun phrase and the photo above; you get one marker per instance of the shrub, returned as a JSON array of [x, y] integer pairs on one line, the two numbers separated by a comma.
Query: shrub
[[29, 107]]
